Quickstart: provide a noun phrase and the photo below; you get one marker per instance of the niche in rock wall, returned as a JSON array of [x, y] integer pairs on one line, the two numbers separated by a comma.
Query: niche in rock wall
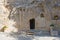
[[33, 2], [22, 9], [55, 17], [41, 15]]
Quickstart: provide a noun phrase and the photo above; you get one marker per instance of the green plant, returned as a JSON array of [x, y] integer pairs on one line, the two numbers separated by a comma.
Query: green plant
[[52, 25], [5, 27]]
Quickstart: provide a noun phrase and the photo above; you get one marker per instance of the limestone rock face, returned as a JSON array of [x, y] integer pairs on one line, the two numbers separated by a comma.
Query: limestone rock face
[[4, 20], [22, 11]]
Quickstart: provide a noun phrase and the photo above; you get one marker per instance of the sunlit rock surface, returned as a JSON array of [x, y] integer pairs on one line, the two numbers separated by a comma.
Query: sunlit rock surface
[[5, 36], [22, 11], [15, 16], [4, 20]]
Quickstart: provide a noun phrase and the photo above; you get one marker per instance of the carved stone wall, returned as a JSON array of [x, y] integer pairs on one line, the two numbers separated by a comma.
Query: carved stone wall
[[22, 16]]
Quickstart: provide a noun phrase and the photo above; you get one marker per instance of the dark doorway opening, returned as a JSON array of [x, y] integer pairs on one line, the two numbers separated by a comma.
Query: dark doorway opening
[[32, 23]]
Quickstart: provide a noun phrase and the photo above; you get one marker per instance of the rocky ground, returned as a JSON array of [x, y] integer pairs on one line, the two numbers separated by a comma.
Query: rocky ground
[[5, 36]]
